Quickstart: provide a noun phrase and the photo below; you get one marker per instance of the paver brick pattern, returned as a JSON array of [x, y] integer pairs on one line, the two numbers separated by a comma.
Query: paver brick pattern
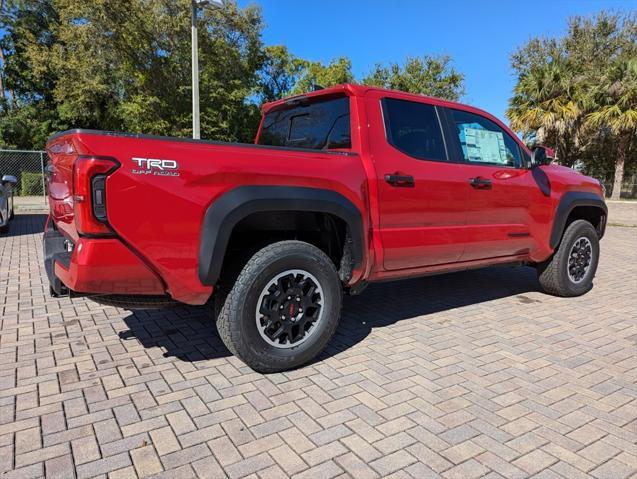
[[465, 375]]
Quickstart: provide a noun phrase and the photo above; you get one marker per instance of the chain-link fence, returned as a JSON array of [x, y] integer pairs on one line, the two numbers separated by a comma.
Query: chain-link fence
[[28, 167]]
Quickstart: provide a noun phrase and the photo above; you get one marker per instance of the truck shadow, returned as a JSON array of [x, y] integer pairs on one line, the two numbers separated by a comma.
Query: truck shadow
[[188, 333], [384, 304]]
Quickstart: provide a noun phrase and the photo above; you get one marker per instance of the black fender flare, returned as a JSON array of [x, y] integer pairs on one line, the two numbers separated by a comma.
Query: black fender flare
[[568, 202], [231, 207]]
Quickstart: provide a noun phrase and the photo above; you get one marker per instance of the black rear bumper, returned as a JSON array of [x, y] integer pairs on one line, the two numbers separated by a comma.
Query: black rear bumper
[[54, 250]]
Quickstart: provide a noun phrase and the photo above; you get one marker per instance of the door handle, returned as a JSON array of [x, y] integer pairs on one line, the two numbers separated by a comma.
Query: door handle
[[481, 183], [406, 181]]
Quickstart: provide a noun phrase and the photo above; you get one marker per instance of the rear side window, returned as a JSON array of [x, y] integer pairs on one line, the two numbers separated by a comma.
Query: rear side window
[[317, 125], [414, 129], [484, 142]]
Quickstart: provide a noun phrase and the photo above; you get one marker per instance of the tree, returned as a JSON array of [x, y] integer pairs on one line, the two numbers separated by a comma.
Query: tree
[[426, 75], [576, 93], [545, 107], [2, 60], [27, 105], [116, 65], [279, 74], [317, 74], [284, 74], [615, 108]]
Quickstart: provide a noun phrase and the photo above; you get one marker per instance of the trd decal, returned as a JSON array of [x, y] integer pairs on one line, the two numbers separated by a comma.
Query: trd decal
[[155, 166]]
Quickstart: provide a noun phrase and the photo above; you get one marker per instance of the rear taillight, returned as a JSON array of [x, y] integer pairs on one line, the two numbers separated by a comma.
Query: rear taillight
[[89, 194]]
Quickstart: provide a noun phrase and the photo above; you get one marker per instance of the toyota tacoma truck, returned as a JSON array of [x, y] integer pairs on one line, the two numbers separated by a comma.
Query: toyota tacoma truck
[[343, 187]]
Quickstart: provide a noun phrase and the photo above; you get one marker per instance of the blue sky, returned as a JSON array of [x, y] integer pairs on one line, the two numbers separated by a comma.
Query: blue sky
[[480, 35]]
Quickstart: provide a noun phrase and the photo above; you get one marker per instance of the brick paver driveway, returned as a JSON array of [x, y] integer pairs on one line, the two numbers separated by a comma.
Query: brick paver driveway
[[466, 375]]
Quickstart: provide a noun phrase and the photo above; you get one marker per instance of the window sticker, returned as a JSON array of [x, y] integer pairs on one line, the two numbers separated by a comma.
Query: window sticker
[[483, 146]]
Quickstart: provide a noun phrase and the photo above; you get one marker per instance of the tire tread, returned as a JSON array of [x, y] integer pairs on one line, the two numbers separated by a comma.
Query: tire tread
[[551, 273], [230, 329]]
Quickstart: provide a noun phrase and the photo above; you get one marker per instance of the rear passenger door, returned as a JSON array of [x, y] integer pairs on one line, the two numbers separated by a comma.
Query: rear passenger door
[[422, 195], [501, 190]]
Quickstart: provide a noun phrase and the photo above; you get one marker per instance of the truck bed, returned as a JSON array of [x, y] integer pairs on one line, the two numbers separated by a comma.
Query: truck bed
[[158, 195]]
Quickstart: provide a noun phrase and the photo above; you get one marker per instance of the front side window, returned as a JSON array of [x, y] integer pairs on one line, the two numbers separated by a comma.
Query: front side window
[[484, 142], [318, 124], [414, 129]]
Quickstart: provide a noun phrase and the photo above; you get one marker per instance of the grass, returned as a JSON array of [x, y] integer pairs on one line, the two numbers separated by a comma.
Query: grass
[[622, 225]]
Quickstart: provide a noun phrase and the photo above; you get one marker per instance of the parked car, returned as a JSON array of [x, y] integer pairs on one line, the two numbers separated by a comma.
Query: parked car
[[343, 186], [6, 201]]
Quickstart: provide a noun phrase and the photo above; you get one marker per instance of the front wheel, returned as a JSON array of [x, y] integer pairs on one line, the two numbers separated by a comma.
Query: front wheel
[[570, 271], [283, 307]]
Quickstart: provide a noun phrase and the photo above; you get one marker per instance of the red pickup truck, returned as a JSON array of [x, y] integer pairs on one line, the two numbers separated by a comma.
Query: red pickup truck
[[343, 186]]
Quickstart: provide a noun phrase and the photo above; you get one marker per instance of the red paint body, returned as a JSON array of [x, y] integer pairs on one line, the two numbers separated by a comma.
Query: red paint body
[[442, 223]]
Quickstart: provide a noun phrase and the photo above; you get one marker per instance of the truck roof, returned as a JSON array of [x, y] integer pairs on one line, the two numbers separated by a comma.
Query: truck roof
[[351, 89]]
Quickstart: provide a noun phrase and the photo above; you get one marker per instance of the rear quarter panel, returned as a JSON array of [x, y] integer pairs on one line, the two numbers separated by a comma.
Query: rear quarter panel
[[160, 217]]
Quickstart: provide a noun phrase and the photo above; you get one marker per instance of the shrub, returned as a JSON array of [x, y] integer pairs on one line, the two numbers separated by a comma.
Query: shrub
[[31, 184]]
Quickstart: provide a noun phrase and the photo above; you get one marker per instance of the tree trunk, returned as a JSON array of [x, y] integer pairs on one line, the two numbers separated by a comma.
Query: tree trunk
[[622, 154]]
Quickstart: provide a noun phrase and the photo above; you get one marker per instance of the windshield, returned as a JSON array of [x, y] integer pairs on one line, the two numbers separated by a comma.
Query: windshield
[[318, 125]]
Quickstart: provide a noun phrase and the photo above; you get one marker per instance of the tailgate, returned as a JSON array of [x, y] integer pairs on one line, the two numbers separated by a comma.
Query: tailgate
[[77, 187], [59, 173]]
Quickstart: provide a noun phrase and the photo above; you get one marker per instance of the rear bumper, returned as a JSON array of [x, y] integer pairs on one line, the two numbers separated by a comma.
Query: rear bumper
[[54, 251], [96, 266]]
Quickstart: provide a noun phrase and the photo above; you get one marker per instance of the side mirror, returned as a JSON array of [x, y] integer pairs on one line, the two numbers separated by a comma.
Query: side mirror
[[9, 179], [542, 155]]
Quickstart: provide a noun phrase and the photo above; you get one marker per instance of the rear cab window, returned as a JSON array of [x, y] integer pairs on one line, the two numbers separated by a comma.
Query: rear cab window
[[319, 123], [414, 129]]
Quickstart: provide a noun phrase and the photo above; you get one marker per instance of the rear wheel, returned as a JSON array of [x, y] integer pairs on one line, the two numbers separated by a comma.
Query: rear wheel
[[570, 271], [283, 307]]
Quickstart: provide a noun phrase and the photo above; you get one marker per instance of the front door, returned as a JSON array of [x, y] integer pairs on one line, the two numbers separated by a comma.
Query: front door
[[502, 190], [422, 195]]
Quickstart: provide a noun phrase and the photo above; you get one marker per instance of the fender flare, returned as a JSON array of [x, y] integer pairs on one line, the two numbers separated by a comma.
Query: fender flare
[[568, 202], [231, 207]]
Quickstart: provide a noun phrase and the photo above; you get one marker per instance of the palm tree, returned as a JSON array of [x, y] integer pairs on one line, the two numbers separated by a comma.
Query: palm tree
[[614, 108], [545, 105]]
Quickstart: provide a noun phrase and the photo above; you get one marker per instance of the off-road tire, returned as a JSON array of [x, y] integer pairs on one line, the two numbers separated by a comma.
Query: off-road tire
[[236, 321], [553, 273]]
